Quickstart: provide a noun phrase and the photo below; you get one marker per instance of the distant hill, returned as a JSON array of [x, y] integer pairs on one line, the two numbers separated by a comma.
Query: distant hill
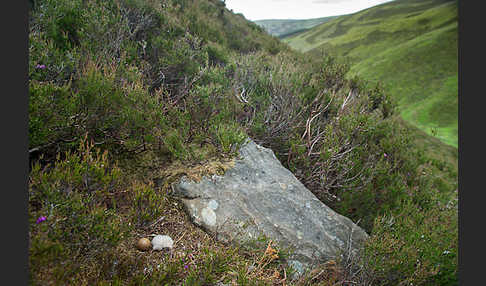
[[410, 46], [286, 27]]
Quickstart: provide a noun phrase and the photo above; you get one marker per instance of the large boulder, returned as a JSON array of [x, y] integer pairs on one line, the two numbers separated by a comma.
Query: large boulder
[[259, 196]]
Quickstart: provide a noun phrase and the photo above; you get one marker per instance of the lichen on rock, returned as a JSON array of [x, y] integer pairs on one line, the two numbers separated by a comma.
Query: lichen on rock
[[258, 196]]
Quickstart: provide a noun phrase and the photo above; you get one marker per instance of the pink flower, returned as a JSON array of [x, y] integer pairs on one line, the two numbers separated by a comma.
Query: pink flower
[[40, 66], [385, 155], [41, 219]]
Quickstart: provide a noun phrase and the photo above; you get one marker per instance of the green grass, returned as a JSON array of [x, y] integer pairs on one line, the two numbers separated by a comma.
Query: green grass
[[409, 46], [421, 75], [285, 27]]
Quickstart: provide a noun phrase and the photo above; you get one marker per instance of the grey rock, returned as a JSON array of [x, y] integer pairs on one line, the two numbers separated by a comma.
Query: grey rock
[[298, 267], [258, 196]]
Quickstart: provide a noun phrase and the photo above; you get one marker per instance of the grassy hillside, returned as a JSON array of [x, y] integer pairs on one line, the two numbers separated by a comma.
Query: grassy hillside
[[285, 27], [128, 96], [409, 46]]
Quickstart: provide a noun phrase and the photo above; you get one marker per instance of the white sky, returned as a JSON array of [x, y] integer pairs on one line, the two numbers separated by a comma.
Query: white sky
[[298, 9]]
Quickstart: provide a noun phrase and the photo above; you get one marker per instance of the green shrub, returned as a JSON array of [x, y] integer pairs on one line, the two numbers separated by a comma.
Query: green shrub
[[101, 103], [216, 56], [63, 22], [228, 136], [414, 246], [175, 144], [44, 114], [50, 64], [147, 204], [72, 208]]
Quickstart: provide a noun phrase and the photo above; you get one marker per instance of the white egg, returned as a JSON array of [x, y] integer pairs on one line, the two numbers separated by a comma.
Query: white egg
[[162, 241]]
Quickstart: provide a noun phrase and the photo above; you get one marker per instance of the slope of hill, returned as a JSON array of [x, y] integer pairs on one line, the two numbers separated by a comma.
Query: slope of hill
[[128, 96], [409, 46], [282, 28]]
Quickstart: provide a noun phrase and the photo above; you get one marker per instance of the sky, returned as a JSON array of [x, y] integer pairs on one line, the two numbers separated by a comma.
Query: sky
[[298, 9]]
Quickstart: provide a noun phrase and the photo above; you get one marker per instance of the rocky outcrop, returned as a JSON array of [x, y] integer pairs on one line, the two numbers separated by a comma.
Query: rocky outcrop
[[259, 196]]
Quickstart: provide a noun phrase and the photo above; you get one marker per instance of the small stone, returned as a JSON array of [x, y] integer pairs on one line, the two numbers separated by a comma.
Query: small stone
[[160, 242], [143, 244]]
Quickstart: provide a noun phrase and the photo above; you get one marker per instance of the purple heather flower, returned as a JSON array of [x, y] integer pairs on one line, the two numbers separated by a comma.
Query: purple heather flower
[[40, 66], [41, 219], [186, 266]]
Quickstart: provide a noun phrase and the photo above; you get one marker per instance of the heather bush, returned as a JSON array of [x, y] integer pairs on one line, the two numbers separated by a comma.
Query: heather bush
[[48, 63], [72, 209], [98, 103], [147, 205], [228, 137], [412, 245]]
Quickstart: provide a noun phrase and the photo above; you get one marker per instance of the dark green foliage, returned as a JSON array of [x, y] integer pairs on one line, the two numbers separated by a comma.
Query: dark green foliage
[[419, 246], [95, 104], [216, 56], [147, 204], [50, 64], [75, 197], [381, 100], [65, 25]]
